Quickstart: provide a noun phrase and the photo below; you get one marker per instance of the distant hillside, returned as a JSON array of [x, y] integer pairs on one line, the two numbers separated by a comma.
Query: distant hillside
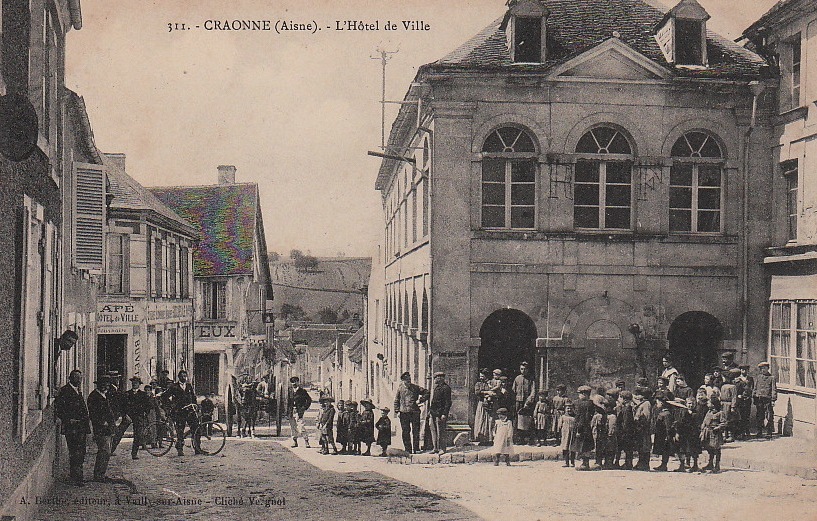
[[335, 284]]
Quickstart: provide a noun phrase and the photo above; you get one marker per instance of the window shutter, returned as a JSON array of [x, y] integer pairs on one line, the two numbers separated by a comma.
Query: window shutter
[[89, 215]]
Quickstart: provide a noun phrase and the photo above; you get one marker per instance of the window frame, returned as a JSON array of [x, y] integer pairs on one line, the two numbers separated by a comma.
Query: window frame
[[124, 264], [789, 351], [510, 157], [214, 300], [696, 162], [795, 73], [791, 174]]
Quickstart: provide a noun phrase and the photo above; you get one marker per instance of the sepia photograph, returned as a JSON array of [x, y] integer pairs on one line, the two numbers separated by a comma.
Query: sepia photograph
[[418, 260]]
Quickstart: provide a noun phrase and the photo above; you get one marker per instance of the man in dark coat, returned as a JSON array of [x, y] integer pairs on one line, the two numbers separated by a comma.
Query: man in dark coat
[[642, 415], [407, 402], [73, 414], [438, 409], [179, 396], [298, 401], [103, 422], [625, 429], [137, 405], [584, 409]]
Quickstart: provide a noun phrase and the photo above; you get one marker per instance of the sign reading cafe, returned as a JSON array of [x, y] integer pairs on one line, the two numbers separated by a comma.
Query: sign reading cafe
[[119, 314]]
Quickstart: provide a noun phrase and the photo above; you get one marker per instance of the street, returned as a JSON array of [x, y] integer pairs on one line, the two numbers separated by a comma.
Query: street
[[263, 479]]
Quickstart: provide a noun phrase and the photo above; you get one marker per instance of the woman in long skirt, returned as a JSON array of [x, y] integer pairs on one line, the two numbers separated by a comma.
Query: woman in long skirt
[[482, 417], [503, 437]]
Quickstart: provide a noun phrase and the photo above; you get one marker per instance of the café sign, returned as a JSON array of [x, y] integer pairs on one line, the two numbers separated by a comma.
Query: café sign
[[119, 314]]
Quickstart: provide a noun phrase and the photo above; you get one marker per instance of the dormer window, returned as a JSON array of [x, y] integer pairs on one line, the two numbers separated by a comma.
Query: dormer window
[[682, 34], [525, 26]]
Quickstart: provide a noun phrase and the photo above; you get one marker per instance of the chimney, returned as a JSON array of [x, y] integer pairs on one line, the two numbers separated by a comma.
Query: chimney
[[226, 174], [116, 159]]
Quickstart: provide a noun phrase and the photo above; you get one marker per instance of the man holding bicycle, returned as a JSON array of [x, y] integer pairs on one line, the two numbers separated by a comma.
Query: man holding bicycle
[[182, 400]]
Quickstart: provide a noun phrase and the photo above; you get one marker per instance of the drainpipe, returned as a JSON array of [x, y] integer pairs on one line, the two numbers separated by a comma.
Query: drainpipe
[[757, 89]]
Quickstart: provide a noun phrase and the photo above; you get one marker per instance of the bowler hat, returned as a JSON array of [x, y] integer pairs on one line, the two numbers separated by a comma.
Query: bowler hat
[[404, 375], [385, 409], [135, 379], [293, 379], [326, 399]]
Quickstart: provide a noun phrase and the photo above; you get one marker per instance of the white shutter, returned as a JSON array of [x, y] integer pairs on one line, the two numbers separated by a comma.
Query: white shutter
[[89, 215]]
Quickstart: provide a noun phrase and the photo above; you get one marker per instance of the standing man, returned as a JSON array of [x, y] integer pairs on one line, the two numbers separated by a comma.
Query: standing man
[[745, 385], [524, 390], [137, 405], [102, 419], [642, 416], [765, 394], [298, 402], [73, 414], [584, 431], [179, 395], [670, 373], [438, 409], [407, 407]]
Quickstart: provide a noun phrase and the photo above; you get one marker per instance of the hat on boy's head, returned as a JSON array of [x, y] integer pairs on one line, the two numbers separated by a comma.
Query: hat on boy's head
[[620, 383], [294, 379], [523, 363], [366, 401], [385, 409], [743, 366], [439, 373], [503, 377], [763, 364], [326, 399], [613, 392], [353, 404], [135, 379], [728, 354], [502, 410], [583, 389], [497, 371], [405, 375]]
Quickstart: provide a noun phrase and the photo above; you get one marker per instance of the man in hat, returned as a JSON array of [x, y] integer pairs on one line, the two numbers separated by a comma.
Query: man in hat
[[765, 394], [181, 396], [137, 405], [524, 392], [438, 409], [298, 402], [728, 361], [74, 424], [744, 385], [102, 420], [625, 430], [584, 432], [407, 402]]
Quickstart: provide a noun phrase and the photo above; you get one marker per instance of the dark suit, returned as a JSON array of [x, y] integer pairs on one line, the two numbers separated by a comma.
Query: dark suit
[[102, 419], [73, 414], [438, 409], [178, 397], [137, 405]]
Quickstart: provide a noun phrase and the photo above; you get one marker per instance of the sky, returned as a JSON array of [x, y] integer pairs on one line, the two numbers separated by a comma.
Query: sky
[[295, 112]]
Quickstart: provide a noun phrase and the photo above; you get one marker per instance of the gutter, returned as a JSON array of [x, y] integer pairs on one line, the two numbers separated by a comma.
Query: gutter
[[76, 14]]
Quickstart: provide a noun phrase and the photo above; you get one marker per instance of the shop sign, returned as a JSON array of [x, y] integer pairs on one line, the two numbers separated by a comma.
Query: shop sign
[[118, 314]]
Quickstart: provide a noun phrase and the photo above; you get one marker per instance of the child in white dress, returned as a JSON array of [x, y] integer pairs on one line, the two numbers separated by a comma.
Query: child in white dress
[[503, 437]]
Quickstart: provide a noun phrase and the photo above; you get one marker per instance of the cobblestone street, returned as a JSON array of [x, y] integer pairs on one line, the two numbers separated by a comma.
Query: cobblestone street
[[261, 479]]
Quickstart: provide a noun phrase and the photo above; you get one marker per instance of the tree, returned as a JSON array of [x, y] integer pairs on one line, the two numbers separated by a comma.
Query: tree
[[306, 263], [291, 312], [296, 254], [327, 315]]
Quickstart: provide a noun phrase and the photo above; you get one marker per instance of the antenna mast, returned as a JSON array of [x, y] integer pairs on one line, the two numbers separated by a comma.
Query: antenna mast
[[384, 57]]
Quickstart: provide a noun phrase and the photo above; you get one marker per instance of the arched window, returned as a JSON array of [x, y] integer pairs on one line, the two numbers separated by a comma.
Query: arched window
[[509, 179], [696, 184], [602, 197]]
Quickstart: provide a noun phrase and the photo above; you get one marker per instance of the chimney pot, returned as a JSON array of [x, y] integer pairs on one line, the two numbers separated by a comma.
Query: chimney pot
[[226, 174], [116, 159]]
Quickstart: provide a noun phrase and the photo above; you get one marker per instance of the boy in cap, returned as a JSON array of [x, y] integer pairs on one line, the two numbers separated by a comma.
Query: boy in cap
[[642, 417], [765, 394], [728, 394], [383, 427], [558, 402], [137, 405], [438, 409], [326, 424], [366, 425]]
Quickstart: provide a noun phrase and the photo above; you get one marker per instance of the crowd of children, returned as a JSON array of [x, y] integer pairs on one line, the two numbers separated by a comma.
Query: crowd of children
[[354, 428]]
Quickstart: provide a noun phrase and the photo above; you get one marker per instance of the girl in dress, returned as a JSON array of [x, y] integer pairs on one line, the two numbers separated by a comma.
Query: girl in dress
[[541, 418], [482, 417], [712, 434], [567, 431], [503, 437]]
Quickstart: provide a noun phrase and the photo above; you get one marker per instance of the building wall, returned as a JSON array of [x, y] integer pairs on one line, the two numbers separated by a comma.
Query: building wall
[[564, 280]]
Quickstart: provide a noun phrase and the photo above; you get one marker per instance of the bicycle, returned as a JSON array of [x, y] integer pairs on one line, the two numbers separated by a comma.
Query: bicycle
[[209, 436]]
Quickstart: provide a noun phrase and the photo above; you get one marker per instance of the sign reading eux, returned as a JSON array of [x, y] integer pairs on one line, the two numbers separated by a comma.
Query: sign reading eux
[[216, 331]]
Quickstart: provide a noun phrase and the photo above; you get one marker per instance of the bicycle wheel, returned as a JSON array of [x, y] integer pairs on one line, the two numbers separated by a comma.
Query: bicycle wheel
[[212, 438], [159, 438]]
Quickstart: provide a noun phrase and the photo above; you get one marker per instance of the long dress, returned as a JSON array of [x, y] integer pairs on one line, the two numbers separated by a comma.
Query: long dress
[[482, 417], [712, 430], [366, 426], [503, 437], [541, 416]]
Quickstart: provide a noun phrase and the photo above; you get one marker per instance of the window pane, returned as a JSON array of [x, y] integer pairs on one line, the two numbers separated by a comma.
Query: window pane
[[711, 148], [681, 148], [617, 218], [709, 175], [619, 145], [807, 373], [523, 171], [781, 369], [493, 193], [523, 194], [587, 145], [696, 140], [680, 220], [785, 315], [586, 217], [493, 216], [680, 197], [586, 195], [587, 172], [618, 172], [493, 170], [709, 198], [709, 221], [522, 217], [681, 174], [618, 195], [493, 143], [604, 135], [806, 316]]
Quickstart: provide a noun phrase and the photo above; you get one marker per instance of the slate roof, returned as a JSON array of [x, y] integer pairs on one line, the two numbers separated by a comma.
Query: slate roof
[[576, 26], [225, 216], [778, 11], [354, 345], [129, 195]]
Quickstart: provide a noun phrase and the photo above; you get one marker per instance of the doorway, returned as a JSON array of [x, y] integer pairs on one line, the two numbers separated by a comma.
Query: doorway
[[694, 338], [508, 337], [110, 354]]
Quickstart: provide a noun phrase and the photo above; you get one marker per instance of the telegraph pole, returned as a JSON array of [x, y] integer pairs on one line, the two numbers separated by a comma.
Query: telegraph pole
[[384, 57]]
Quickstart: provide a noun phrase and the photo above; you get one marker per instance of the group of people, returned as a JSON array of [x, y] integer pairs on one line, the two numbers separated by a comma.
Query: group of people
[[109, 412], [616, 425]]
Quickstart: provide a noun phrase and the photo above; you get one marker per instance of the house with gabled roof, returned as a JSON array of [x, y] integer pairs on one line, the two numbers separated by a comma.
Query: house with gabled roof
[[232, 285], [583, 185], [145, 309]]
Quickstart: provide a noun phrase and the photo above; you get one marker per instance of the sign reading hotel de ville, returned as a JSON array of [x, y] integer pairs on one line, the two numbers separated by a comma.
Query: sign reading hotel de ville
[[119, 314]]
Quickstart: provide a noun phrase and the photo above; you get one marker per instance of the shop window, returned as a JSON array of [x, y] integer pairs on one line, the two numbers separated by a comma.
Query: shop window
[[793, 343]]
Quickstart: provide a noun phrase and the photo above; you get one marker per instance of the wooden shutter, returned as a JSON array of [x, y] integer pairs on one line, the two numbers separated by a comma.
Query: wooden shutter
[[89, 216]]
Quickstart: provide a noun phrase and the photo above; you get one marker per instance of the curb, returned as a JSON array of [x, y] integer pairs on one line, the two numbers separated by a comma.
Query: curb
[[481, 456]]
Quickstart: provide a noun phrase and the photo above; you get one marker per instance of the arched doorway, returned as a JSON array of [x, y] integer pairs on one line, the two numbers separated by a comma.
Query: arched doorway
[[508, 337], [694, 338]]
